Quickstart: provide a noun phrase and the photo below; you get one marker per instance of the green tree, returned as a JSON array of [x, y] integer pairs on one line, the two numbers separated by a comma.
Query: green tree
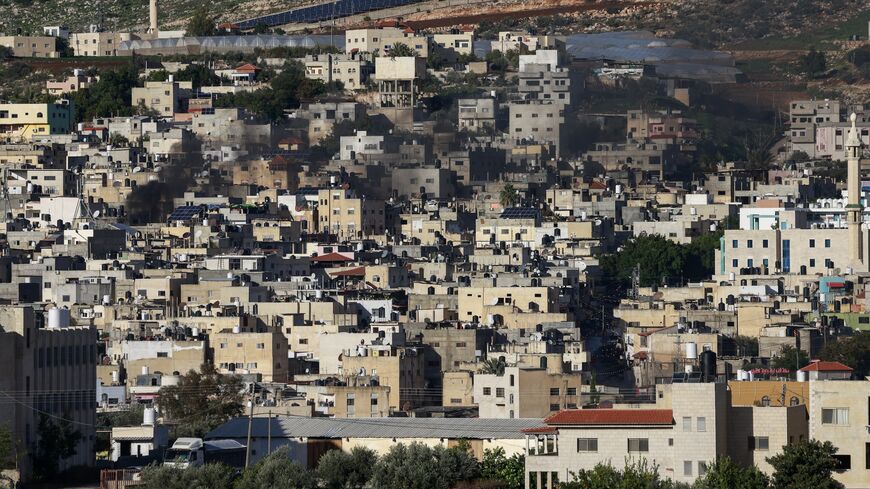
[[57, 442], [660, 260], [725, 474], [208, 476], [493, 366], [201, 23], [746, 346], [8, 449], [851, 351], [508, 196], [110, 96], [277, 471], [341, 470], [201, 401], [417, 466], [635, 475], [497, 61], [789, 357], [198, 74], [401, 50], [5, 53], [496, 466], [814, 62], [805, 465]]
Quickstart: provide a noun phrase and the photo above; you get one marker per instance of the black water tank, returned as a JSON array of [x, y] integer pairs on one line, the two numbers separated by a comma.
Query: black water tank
[[708, 366]]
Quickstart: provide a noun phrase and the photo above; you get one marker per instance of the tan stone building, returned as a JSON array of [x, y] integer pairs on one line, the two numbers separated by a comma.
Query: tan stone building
[[251, 353], [526, 393], [342, 213], [31, 46], [840, 413], [399, 368], [49, 370]]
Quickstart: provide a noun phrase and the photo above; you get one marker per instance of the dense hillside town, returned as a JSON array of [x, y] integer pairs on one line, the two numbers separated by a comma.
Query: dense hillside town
[[408, 256]]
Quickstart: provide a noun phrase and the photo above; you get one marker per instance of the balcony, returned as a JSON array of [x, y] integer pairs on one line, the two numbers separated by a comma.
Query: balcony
[[542, 444]]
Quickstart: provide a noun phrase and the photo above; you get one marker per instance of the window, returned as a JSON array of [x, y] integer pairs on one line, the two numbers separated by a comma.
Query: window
[[499, 392], [687, 468], [572, 391], [702, 468], [844, 462], [587, 444], [554, 407], [554, 391], [638, 444], [764, 243], [261, 346], [702, 425], [758, 443], [838, 416], [765, 401], [812, 243], [827, 243], [687, 423], [749, 243], [487, 391], [162, 354]]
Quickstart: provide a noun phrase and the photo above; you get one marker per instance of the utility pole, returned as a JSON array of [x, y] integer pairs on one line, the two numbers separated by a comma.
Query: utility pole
[[269, 444], [250, 421]]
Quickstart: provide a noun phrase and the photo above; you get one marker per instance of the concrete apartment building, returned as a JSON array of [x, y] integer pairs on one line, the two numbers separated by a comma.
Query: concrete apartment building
[[31, 46], [526, 393], [690, 425], [803, 251], [71, 84], [351, 70], [51, 368], [323, 115], [477, 114], [341, 212], [264, 354], [96, 43], [382, 40], [397, 86], [840, 413], [804, 116], [163, 97], [400, 368], [23, 121]]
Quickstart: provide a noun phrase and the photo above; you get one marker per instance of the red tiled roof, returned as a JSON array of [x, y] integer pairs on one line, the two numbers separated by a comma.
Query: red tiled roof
[[248, 68], [331, 257], [597, 186], [349, 272], [612, 417], [822, 366]]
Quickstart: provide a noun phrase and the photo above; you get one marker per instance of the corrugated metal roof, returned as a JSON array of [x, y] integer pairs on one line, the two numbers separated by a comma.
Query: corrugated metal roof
[[296, 427]]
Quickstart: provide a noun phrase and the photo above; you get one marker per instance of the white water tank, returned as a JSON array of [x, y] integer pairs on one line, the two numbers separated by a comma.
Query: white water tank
[[169, 380], [689, 369], [145, 370], [691, 351], [58, 318], [114, 376], [237, 329], [148, 417], [751, 375], [107, 299], [194, 332], [801, 376]]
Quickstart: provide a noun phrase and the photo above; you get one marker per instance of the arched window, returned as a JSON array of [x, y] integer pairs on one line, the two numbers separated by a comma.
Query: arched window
[[765, 401], [794, 401]]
